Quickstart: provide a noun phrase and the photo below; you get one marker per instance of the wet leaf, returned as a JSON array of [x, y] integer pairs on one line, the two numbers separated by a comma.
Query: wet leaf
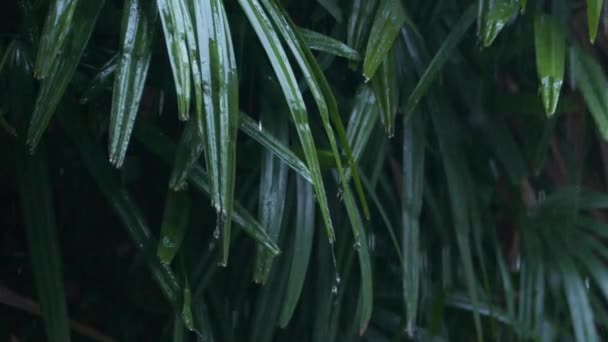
[[550, 46]]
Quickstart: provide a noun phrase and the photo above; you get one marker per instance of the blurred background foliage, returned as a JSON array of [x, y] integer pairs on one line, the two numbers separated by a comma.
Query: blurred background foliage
[[329, 170]]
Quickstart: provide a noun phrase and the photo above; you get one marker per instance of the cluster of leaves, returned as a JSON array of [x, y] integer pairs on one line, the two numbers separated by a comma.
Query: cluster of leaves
[[394, 170]]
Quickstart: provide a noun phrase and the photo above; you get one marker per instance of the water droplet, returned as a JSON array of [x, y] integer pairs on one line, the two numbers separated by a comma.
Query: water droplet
[[216, 233], [338, 279], [334, 289], [260, 125], [357, 244]]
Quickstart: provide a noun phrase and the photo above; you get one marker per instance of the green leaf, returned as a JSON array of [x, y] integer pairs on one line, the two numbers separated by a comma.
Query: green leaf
[[591, 81], [390, 16], [278, 59], [179, 330], [386, 90], [220, 122], [304, 225], [60, 72], [320, 42], [359, 23], [43, 244], [120, 200], [188, 152], [273, 189], [101, 81], [138, 28], [176, 24], [550, 46], [433, 69], [363, 118], [594, 12], [272, 143], [160, 145], [496, 14], [175, 222], [59, 22], [413, 189]]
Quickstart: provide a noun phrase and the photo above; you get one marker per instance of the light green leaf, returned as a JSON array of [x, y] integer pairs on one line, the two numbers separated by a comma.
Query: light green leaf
[[390, 16], [550, 47], [320, 42], [138, 27], [594, 12], [496, 14], [386, 90], [175, 222]]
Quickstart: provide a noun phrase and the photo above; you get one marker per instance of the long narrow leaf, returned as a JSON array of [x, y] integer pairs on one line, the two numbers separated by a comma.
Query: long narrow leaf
[[496, 14], [54, 35], [550, 46], [173, 228], [390, 16], [594, 11], [320, 42], [60, 72], [138, 26], [278, 59], [43, 244]]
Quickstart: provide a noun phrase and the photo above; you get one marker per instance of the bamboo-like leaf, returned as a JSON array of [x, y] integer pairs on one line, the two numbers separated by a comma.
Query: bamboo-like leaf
[[272, 143], [304, 225], [160, 145], [220, 122], [594, 12], [278, 59], [320, 42], [175, 27], [123, 205], [495, 15], [412, 197], [101, 81], [273, 189], [550, 46], [363, 118], [359, 23], [57, 27], [188, 152], [43, 244], [138, 26], [321, 91], [434, 67], [390, 16], [591, 81], [179, 330], [60, 72], [175, 222], [386, 90]]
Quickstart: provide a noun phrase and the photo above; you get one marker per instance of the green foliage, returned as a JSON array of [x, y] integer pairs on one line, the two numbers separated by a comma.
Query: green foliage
[[376, 170]]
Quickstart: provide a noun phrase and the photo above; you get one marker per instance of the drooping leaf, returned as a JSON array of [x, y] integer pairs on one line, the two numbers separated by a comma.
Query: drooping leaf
[[495, 15], [138, 26], [390, 16], [273, 190], [101, 81], [175, 222], [320, 42], [188, 152], [220, 122], [304, 225], [176, 24], [359, 23], [594, 12], [122, 203], [412, 199], [436, 64], [550, 47], [160, 145], [57, 27], [270, 142], [60, 72], [43, 244], [278, 59], [386, 90]]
